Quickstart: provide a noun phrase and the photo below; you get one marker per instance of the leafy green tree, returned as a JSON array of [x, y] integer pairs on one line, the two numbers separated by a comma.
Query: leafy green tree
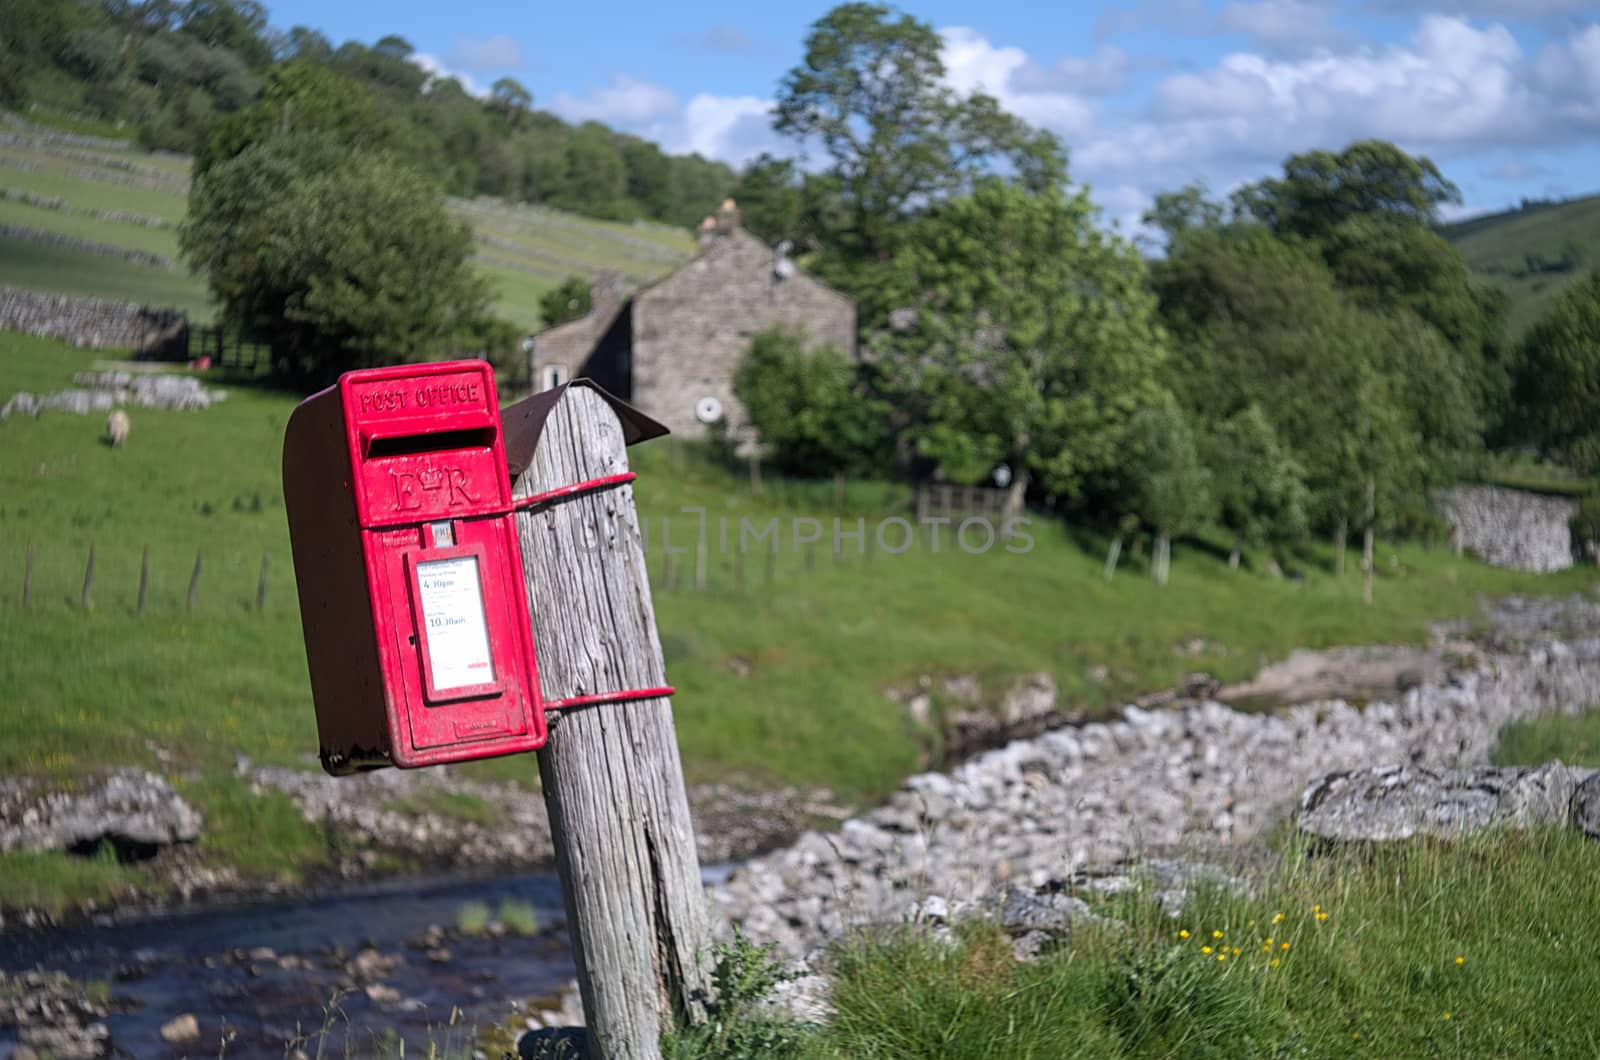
[[871, 92], [1558, 378], [511, 98], [1176, 214], [569, 300], [1025, 334], [1369, 402], [334, 258], [1258, 485], [1171, 487], [1320, 190], [809, 406]]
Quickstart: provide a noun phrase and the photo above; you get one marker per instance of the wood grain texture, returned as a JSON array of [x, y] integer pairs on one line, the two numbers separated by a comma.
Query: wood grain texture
[[613, 781]]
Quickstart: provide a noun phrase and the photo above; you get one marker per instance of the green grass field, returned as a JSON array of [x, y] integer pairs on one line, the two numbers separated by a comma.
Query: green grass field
[[1497, 248], [546, 247], [781, 678]]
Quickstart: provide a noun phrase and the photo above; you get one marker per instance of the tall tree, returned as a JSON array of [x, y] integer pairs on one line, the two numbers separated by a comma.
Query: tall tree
[[1258, 485], [394, 285], [509, 96], [871, 92], [1171, 486], [1558, 378], [1025, 334], [809, 406], [1320, 190]]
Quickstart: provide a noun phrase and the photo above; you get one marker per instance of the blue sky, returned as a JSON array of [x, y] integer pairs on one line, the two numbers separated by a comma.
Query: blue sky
[[1148, 96]]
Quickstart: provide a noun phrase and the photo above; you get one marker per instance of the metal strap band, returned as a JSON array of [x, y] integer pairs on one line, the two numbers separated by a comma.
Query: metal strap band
[[561, 493], [610, 697]]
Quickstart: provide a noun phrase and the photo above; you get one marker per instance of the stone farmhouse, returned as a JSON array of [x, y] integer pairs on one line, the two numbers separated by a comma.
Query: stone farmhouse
[[670, 348]]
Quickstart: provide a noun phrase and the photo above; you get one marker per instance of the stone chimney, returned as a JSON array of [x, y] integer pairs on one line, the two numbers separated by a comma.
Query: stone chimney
[[723, 223], [605, 292]]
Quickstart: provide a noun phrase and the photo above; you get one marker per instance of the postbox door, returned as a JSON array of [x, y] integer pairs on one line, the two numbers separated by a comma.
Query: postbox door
[[457, 662]]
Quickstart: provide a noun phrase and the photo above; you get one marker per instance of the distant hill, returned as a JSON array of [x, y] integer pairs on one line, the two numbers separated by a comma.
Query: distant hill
[[101, 220], [1534, 252]]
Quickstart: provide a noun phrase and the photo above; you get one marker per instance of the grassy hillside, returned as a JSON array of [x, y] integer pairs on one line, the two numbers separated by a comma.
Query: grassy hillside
[[1534, 253], [523, 250], [781, 664]]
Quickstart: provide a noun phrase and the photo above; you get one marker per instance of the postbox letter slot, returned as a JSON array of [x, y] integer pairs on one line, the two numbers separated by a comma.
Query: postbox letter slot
[[411, 444]]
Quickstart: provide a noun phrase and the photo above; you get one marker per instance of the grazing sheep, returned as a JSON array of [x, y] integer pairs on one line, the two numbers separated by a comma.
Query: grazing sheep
[[117, 428]]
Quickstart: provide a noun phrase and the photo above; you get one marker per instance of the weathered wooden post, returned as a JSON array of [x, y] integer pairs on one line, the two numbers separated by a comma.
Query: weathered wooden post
[[144, 581], [613, 782]]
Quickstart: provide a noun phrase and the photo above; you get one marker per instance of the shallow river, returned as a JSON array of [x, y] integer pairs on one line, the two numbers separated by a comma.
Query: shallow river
[[199, 963]]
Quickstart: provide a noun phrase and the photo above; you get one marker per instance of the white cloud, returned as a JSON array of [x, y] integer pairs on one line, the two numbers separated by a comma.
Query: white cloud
[[733, 129], [1452, 90], [626, 102], [728, 39], [1514, 171], [1282, 25], [440, 71], [493, 56], [1273, 26], [973, 64]]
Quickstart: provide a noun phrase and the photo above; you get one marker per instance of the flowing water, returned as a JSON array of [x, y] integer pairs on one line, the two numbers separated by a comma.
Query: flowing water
[[200, 962]]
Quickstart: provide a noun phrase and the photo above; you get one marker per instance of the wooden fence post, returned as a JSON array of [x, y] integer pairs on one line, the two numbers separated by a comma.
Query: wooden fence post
[[88, 580], [261, 583], [194, 582], [613, 782]]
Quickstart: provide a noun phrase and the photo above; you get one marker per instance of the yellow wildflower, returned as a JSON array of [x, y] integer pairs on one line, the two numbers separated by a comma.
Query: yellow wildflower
[[1206, 950], [1461, 960], [1184, 933], [1316, 909], [1266, 947], [1322, 916], [1236, 951], [1222, 956], [1274, 962], [1277, 918], [1284, 946], [1447, 1015], [1216, 934]]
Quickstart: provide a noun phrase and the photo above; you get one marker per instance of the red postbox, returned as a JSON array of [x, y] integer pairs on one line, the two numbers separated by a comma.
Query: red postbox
[[409, 570]]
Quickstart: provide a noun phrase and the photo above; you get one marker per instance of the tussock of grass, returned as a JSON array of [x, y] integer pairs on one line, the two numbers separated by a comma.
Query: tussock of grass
[[1574, 740], [518, 918], [56, 881], [1485, 948], [473, 918]]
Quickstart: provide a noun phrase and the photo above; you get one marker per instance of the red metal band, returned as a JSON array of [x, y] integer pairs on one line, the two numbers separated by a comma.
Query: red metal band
[[562, 492], [610, 697]]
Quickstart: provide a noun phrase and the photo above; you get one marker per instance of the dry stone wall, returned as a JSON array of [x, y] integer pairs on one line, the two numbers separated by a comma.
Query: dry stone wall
[[1511, 528], [96, 323]]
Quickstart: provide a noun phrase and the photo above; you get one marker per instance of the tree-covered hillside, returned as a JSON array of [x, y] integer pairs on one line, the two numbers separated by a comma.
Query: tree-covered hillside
[[1534, 252], [173, 72]]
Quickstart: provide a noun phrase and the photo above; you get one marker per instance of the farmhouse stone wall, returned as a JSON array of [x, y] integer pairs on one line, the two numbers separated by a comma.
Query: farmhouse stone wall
[[691, 329], [96, 323], [1511, 528]]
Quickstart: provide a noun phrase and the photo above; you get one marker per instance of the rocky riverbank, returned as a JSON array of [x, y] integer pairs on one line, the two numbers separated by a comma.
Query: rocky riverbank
[[1101, 801]]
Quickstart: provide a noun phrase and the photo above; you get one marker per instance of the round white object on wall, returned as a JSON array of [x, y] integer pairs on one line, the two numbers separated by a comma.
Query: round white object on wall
[[708, 409], [1002, 475]]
